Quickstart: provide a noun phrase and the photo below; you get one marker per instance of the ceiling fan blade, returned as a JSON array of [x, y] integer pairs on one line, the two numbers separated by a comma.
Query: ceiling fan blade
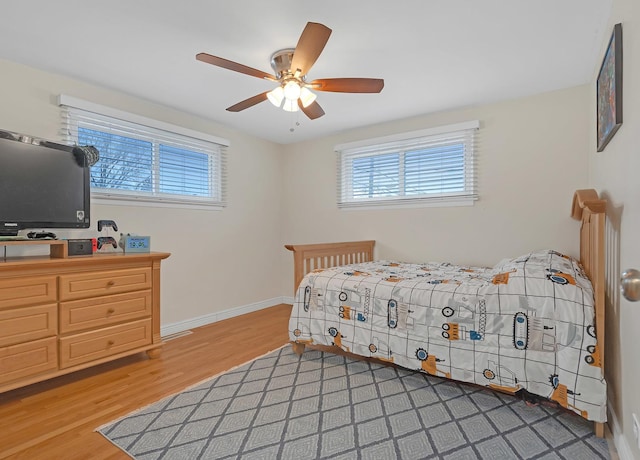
[[348, 85], [225, 63], [248, 102], [311, 43], [312, 111]]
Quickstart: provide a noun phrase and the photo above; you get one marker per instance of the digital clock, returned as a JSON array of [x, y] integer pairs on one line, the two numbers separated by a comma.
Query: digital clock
[[131, 243]]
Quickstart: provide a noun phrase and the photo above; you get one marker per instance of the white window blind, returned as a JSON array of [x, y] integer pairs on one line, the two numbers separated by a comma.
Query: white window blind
[[428, 166], [139, 162]]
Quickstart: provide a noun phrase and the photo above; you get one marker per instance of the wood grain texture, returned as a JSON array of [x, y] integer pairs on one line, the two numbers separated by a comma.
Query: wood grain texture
[[308, 257], [29, 284], [57, 418], [588, 208]]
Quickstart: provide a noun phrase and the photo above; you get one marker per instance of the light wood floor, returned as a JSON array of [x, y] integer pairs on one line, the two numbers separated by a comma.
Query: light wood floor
[[56, 419]]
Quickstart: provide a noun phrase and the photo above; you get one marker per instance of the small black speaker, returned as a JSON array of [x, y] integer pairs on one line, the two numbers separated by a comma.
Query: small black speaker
[[82, 247]]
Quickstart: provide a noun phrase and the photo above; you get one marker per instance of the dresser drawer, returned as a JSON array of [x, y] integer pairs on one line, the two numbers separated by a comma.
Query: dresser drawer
[[82, 285], [19, 325], [92, 345], [26, 359], [76, 315], [17, 292]]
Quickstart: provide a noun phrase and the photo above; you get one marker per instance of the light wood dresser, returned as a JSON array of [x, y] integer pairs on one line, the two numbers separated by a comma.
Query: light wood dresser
[[60, 314]]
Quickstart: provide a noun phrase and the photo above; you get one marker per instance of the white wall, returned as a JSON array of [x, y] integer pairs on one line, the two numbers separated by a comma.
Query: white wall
[[531, 158], [213, 252], [615, 173]]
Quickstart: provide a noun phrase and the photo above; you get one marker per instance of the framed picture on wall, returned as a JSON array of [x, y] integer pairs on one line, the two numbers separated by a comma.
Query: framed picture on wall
[[609, 90]]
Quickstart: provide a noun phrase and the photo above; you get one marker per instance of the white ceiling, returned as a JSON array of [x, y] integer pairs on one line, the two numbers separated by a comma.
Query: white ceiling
[[433, 55]]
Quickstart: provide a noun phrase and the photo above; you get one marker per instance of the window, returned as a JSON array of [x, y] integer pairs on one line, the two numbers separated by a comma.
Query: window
[[428, 166], [146, 160]]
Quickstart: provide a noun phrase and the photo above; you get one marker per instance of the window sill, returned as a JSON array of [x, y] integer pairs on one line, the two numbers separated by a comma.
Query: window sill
[[371, 205]]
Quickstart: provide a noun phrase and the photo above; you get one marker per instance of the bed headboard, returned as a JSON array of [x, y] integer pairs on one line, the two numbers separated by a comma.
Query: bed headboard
[[591, 211], [309, 257]]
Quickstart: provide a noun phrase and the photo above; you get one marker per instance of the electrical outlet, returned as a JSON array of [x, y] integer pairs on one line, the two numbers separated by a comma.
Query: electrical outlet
[[636, 429]]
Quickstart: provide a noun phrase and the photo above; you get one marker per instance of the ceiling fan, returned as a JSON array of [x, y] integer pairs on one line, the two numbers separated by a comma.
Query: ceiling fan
[[291, 66]]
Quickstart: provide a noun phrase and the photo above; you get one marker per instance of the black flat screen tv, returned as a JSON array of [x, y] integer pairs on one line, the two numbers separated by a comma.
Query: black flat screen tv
[[42, 185]]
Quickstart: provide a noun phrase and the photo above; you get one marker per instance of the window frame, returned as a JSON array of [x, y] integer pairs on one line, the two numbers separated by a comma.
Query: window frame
[[159, 134], [401, 144]]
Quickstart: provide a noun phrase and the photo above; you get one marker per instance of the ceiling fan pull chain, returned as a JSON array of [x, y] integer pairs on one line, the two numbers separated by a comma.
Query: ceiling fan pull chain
[[297, 121]]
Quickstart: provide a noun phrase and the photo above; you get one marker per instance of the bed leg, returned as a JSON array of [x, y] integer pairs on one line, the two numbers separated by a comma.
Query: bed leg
[[599, 429], [298, 348]]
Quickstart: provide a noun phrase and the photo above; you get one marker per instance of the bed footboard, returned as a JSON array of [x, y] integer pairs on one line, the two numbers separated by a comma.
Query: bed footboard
[[309, 257]]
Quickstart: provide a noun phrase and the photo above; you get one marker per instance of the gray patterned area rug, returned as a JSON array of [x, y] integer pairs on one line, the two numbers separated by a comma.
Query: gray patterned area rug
[[320, 405]]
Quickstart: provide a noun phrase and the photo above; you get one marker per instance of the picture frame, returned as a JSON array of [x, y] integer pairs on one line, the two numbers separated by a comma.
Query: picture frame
[[609, 90]]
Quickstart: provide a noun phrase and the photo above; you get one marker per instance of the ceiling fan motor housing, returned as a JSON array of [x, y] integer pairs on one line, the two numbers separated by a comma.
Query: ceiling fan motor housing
[[281, 62]]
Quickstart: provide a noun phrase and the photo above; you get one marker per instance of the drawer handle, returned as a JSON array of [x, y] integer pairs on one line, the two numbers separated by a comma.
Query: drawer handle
[[111, 283], [111, 343], [111, 311]]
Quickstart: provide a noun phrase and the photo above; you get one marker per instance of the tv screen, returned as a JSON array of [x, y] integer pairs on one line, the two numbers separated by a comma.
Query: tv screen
[[42, 185]]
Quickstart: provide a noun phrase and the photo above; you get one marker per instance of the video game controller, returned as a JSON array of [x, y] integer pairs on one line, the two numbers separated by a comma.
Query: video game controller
[[107, 239], [107, 223], [42, 235]]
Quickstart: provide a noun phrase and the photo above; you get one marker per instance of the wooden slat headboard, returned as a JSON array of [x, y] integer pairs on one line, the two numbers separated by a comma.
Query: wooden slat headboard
[[591, 210], [309, 257]]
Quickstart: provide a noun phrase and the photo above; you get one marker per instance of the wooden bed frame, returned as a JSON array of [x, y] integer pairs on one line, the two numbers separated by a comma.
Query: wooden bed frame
[[587, 207]]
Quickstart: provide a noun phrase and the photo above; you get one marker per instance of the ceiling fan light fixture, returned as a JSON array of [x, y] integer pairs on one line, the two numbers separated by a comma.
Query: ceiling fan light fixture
[[292, 91], [276, 96], [307, 97], [290, 105]]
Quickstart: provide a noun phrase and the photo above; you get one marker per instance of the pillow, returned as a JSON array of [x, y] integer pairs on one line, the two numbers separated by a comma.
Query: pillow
[[549, 258]]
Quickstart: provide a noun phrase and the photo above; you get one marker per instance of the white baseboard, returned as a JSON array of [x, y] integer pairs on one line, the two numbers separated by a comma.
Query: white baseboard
[[623, 448], [174, 328], [288, 300]]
